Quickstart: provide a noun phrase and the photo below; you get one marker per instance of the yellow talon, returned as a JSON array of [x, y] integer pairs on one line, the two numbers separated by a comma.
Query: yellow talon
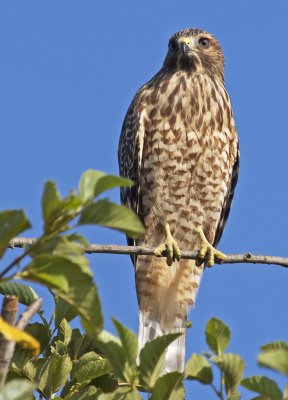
[[208, 252], [170, 245]]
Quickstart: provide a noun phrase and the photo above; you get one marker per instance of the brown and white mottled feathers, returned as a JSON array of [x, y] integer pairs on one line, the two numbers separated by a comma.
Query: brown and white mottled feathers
[[179, 145]]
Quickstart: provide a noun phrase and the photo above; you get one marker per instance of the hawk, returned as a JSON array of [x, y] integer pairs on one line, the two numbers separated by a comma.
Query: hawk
[[179, 145]]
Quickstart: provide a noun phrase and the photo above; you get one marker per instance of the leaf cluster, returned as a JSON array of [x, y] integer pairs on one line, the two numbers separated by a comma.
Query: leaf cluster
[[52, 360]]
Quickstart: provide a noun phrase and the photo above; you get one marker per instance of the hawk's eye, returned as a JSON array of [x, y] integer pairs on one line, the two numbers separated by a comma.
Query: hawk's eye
[[173, 45], [204, 42]]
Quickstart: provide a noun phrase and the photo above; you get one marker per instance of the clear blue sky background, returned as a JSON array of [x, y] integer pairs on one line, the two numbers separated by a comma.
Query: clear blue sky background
[[68, 72]]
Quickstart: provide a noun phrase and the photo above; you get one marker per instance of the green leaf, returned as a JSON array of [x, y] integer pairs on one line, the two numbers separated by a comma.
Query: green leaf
[[279, 344], [64, 332], [275, 359], [49, 374], [286, 392], [80, 344], [57, 212], [107, 383], [19, 359], [152, 357], [198, 368], [121, 394], [92, 183], [17, 389], [130, 346], [111, 347], [169, 387], [217, 336], [50, 201], [63, 310], [89, 367], [86, 393], [113, 216], [233, 366], [25, 294], [12, 222], [72, 282], [40, 332], [264, 386], [235, 396]]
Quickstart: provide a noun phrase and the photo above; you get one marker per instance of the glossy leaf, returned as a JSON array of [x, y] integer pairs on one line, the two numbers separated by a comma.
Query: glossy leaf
[[233, 366], [12, 222], [17, 389], [50, 201], [217, 336], [87, 393], [151, 358], [169, 387], [121, 394], [264, 386], [57, 212], [26, 295], [92, 183], [198, 368], [111, 347], [107, 383], [19, 359], [63, 310], [49, 374], [275, 359], [64, 332], [72, 282], [89, 367], [279, 344], [111, 215], [80, 344], [40, 332], [130, 346]]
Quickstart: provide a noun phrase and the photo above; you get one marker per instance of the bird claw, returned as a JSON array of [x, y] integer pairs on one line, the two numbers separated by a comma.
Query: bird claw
[[170, 246], [208, 252]]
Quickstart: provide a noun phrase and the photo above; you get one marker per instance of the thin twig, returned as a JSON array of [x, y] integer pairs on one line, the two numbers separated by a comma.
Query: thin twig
[[8, 313], [25, 317], [5, 357], [139, 250], [219, 394]]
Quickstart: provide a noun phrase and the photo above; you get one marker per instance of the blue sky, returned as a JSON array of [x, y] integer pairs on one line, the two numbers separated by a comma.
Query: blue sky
[[68, 72]]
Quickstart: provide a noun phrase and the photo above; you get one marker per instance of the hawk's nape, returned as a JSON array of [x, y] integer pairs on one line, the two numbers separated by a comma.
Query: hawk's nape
[[179, 145]]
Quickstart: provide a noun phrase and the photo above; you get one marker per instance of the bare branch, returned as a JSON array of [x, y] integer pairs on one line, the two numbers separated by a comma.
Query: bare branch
[[8, 313], [28, 314], [7, 347], [139, 250]]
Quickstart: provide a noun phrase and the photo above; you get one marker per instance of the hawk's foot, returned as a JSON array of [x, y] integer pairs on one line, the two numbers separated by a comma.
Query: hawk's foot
[[207, 252], [170, 245]]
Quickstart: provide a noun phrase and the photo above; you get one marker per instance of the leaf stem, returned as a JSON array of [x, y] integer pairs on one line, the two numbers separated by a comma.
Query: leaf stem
[[15, 262], [219, 394]]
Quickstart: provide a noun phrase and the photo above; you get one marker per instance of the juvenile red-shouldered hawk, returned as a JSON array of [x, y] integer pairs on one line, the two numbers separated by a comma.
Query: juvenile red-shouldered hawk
[[179, 145]]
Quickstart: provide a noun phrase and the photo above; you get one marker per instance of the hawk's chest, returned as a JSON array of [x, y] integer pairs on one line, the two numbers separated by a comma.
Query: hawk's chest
[[184, 120]]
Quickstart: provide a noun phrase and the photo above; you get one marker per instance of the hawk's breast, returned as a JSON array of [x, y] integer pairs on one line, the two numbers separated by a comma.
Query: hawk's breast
[[187, 152]]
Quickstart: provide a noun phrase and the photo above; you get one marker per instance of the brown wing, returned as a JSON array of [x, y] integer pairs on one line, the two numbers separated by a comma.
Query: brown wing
[[228, 200], [129, 160]]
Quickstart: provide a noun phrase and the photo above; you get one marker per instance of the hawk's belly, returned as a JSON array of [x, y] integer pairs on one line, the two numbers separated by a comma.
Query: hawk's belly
[[184, 181]]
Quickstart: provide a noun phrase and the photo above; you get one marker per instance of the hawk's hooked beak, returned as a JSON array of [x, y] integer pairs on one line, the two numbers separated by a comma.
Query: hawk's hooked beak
[[184, 45]]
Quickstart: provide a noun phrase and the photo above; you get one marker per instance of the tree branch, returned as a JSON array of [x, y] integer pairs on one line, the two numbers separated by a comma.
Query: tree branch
[[7, 347], [139, 250], [25, 317], [8, 313]]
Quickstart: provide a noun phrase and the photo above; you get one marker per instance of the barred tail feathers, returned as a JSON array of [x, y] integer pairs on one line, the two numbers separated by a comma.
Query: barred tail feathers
[[165, 295], [175, 354]]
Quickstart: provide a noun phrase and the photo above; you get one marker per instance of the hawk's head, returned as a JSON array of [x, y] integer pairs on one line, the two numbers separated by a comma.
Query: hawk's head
[[195, 50]]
